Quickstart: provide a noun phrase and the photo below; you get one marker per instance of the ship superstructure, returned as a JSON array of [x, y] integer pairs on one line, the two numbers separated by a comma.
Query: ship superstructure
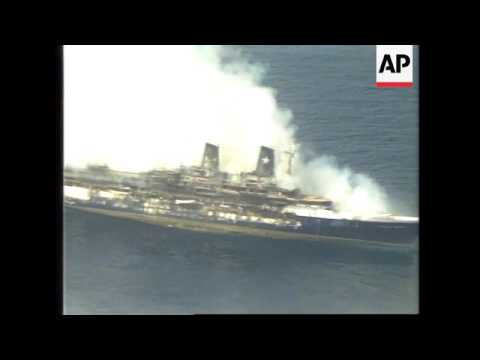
[[205, 193]]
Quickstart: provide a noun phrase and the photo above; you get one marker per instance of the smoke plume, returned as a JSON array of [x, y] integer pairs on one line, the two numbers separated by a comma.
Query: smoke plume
[[135, 108]]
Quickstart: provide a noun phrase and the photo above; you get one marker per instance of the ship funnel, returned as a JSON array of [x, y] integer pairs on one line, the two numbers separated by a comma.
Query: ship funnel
[[210, 157], [266, 162]]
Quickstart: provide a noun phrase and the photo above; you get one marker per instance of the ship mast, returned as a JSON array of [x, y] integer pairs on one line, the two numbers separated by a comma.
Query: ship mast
[[290, 158]]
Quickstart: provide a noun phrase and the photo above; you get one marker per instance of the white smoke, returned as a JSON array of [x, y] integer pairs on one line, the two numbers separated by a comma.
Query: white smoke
[[353, 193], [135, 108]]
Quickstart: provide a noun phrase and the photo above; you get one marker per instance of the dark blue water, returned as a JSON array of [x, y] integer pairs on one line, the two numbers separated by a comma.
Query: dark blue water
[[114, 266]]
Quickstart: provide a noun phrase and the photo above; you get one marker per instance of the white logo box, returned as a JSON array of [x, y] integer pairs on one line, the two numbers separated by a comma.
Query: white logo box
[[394, 66]]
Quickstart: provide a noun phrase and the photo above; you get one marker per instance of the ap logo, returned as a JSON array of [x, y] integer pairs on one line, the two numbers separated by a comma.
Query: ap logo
[[394, 65]]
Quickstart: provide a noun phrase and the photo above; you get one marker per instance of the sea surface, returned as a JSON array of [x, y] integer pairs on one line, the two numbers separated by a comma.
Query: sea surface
[[117, 266]]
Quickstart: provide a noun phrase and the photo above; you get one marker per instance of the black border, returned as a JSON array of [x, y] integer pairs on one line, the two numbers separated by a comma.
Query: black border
[[59, 58]]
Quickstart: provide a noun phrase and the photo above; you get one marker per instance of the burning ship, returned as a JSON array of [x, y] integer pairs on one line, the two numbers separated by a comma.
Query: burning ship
[[246, 200]]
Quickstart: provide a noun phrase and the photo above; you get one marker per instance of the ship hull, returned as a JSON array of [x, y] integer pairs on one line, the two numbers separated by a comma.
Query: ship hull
[[374, 231], [387, 232]]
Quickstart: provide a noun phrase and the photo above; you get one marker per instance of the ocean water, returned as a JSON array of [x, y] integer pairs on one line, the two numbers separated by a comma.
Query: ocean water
[[116, 266]]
